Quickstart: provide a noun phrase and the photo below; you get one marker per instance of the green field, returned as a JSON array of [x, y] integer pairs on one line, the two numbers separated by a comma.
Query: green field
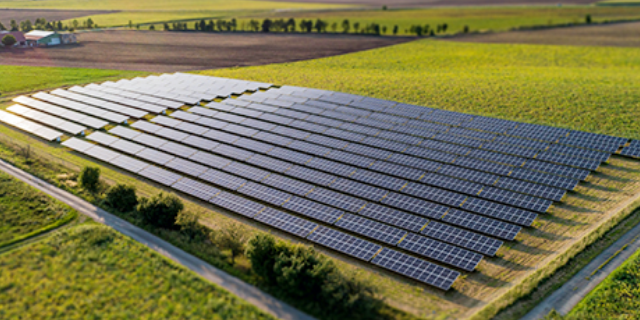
[[616, 297], [92, 272], [26, 212], [36, 78], [586, 88]]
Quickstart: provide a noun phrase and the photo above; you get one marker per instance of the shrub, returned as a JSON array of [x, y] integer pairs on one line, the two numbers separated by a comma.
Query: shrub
[[160, 210], [190, 226], [90, 178], [465, 29], [122, 197], [262, 250], [232, 237], [587, 19]]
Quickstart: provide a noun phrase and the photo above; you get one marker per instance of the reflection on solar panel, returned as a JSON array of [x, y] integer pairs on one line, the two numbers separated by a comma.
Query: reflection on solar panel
[[440, 187]]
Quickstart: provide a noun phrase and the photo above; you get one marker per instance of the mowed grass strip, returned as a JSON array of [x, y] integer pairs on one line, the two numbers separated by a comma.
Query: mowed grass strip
[[26, 212], [584, 88], [91, 271], [614, 298], [18, 79]]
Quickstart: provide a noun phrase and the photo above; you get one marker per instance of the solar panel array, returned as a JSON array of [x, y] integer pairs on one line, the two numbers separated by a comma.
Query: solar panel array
[[415, 190]]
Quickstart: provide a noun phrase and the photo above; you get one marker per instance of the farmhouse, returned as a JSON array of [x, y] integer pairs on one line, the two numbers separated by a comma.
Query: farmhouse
[[43, 38], [20, 39]]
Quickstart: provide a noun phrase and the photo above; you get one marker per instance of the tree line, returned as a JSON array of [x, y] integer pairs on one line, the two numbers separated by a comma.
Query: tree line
[[297, 273], [43, 24]]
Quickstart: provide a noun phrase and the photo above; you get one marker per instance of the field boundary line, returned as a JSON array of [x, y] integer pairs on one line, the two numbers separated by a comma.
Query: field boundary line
[[527, 284], [235, 286]]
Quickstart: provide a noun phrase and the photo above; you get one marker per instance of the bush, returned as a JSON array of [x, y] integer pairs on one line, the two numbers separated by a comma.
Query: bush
[[190, 226], [9, 40], [262, 250], [122, 197], [587, 19], [232, 237], [161, 210], [90, 178]]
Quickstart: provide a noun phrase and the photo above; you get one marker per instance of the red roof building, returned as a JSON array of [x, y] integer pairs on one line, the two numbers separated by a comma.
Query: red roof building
[[21, 40]]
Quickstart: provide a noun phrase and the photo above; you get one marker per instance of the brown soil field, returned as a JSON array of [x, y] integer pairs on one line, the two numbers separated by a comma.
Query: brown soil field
[[445, 3], [6, 15], [615, 34], [181, 51]]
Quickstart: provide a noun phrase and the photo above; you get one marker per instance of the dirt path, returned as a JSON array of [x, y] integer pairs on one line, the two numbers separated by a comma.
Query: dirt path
[[182, 51], [241, 289]]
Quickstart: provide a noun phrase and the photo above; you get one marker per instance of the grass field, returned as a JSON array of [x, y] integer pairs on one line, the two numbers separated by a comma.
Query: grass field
[[584, 88], [25, 212], [93, 272], [616, 297], [17, 79]]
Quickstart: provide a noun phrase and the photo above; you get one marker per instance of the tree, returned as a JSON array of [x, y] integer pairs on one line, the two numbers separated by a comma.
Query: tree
[[444, 27], [90, 178], [152, 28], [321, 26], [160, 210], [266, 25], [211, 26], [166, 27], [346, 25], [233, 26], [122, 197], [262, 250], [465, 29], [190, 226], [75, 24], [254, 25], [384, 30], [334, 27], [60, 27], [203, 25], [587, 19], [14, 25], [356, 26], [384, 8], [395, 30], [9, 40], [26, 26], [232, 237], [138, 26], [291, 24], [2, 28], [89, 23], [130, 24], [418, 31]]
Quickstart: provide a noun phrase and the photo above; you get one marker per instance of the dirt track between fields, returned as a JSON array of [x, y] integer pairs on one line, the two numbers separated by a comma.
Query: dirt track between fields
[[6, 15], [613, 35], [181, 51]]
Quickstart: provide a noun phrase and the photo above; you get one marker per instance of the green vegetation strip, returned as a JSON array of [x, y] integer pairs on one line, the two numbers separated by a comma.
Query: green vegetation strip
[[616, 297], [583, 88], [91, 271], [26, 212]]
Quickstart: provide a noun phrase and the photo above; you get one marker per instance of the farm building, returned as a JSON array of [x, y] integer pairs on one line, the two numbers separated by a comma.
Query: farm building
[[43, 38], [20, 39]]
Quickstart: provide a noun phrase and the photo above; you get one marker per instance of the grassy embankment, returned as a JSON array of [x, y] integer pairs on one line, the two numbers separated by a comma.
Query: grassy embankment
[[91, 271], [25, 213]]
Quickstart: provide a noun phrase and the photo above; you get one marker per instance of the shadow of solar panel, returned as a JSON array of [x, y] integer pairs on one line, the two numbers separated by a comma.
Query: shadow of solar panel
[[482, 224], [414, 205], [462, 238], [434, 194], [342, 242], [286, 222], [441, 252], [128, 163], [237, 204], [416, 269], [186, 167], [371, 229], [222, 179], [159, 175], [397, 170], [574, 173], [290, 185], [196, 189], [338, 200], [264, 193]]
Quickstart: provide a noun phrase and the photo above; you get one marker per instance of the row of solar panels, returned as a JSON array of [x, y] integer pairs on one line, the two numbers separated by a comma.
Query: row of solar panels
[[390, 259], [30, 127]]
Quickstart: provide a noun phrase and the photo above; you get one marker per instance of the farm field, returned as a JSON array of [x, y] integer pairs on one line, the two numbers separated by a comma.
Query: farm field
[[615, 35], [476, 18], [164, 51], [26, 212], [452, 3], [6, 15], [92, 271], [615, 297]]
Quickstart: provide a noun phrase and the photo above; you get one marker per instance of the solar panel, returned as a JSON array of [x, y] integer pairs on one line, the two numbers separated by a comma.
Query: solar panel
[[187, 167], [222, 179], [485, 225], [128, 163], [338, 200], [286, 222], [101, 153], [342, 242], [416, 269], [441, 252], [462, 238], [414, 205], [371, 229], [160, 175], [264, 193], [73, 143], [237, 204], [196, 189]]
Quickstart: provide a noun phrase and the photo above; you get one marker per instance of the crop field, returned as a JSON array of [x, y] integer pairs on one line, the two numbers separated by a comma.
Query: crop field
[[449, 3], [476, 18], [25, 212], [615, 297], [6, 15], [32, 78], [615, 35], [164, 51], [91, 271]]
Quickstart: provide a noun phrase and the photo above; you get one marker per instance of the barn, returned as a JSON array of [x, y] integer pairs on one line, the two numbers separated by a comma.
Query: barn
[[43, 38]]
